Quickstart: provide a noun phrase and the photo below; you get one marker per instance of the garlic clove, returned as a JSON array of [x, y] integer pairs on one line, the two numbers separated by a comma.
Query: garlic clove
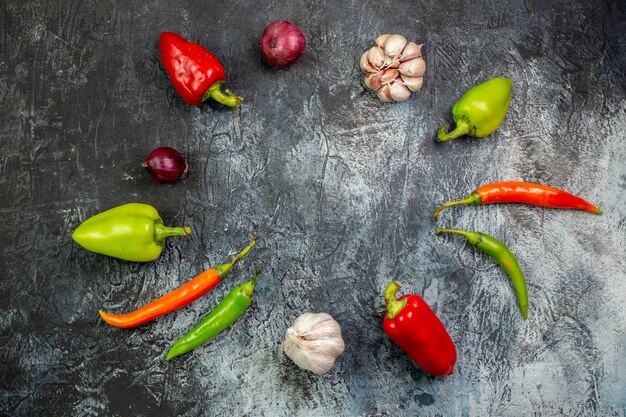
[[314, 342], [366, 66], [383, 93], [399, 92], [411, 50], [389, 75], [382, 39], [373, 80], [394, 45], [376, 57], [413, 83], [393, 63], [415, 67]]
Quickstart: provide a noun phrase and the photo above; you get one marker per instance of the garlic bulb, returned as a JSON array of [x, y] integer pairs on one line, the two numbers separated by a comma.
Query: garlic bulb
[[394, 67], [314, 342]]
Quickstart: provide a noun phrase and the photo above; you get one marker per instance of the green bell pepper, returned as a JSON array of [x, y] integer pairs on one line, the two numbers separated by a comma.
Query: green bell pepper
[[134, 232], [480, 111]]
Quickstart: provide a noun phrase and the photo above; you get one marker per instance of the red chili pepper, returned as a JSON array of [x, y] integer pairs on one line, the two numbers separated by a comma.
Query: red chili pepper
[[195, 72], [413, 326], [178, 298], [523, 192]]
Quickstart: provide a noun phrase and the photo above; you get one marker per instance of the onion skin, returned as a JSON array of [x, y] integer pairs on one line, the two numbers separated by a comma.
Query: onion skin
[[165, 164], [282, 43]]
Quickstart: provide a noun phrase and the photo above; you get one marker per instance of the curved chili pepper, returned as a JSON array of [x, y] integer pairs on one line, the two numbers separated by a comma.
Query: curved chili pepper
[[523, 192], [195, 72], [480, 111], [180, 297], [226, 313], [498, 251], [413, 326], [133, 232]]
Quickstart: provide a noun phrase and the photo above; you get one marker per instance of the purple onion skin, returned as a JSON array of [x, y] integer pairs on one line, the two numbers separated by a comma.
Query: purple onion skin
[[282, 43], [165, 164]]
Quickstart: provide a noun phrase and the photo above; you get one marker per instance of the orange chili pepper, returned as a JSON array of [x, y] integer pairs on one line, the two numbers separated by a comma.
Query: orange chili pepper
[[180, 297], [523, 192]]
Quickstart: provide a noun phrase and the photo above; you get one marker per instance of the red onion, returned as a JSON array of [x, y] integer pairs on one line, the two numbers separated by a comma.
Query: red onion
[[165, 164], [282, 43]]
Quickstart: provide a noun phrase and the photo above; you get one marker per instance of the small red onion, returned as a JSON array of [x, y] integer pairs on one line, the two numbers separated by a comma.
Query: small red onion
[[165, 164], [282, 43]]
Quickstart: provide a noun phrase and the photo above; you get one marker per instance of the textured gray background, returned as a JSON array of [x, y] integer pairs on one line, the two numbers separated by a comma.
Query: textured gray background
[[339, 187]]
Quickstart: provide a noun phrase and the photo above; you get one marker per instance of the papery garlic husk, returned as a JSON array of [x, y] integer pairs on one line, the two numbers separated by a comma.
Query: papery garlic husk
[[373, 80], [314, 342], [413, 68], [395, 45], [411, 50], [376, 57], [413, 83], [394, 67], [384, 93], [389, 75], [399, 92], [382, 39], [365, 63]]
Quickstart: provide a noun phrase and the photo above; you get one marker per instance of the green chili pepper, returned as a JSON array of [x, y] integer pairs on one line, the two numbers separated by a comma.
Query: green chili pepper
[[134, 232], [498, 251], [480, 111], [226, 313]]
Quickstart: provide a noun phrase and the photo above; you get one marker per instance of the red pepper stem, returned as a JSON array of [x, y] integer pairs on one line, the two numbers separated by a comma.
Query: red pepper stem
[[226, 98], [473, 238], [161, 232], [462, 128], [222, 270], [473, 198], [393, 306]]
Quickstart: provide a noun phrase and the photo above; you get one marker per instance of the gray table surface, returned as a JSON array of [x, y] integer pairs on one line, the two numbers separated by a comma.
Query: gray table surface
[[340, 189]]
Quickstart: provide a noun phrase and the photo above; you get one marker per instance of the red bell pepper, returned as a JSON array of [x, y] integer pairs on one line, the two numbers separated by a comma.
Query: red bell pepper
[[195, 72], [413, 326]]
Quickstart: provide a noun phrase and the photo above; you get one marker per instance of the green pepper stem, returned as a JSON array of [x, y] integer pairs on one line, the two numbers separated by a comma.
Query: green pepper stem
[[462, 128], [161, 232], [393, 306], [472, 237], [473, 198], [226, 98], [248, 288], [222, 270]]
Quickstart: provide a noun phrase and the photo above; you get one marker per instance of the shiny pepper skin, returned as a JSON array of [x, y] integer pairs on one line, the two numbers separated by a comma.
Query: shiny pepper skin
[[413, 326], [134, 232], [196, 73], [480, 111]]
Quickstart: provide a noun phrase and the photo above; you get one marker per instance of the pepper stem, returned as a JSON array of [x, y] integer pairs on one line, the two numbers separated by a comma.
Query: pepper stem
[[222, 270], [248, 288], [462, 128], [393, 306], [161, 232], [473, 238], [473, 198], [226, 98]]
